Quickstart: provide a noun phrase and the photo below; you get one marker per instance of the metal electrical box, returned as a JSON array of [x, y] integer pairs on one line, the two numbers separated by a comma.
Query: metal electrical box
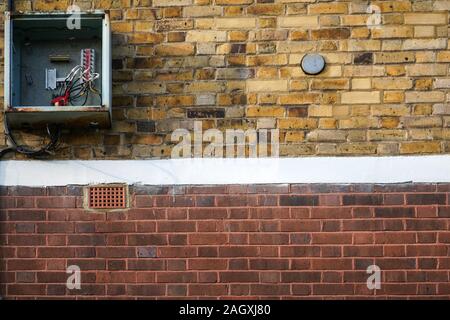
[[57, 69]]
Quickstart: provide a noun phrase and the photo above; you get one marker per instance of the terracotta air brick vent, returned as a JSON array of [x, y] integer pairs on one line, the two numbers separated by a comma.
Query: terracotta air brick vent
[[107, 197]]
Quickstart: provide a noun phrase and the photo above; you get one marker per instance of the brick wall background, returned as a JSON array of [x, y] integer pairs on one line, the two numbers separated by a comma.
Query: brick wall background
[[271, 241], [235, 64]]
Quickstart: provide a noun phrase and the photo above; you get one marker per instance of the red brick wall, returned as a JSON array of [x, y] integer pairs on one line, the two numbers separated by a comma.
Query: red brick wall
[[272, 241]]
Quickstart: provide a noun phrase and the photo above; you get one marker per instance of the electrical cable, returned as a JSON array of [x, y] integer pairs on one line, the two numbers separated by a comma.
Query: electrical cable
[[22, 149], [85, 99], [5, 151], [26, 150], [10, 5], [77, 84]]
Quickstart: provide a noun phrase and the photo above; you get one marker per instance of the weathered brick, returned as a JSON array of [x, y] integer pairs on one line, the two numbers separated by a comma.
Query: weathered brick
[[357, 97], [235, 23], [426, 18], [419, 97], [392, 32], [421, 44], [202, 11], [169, 3], [337, 33], [206, 36], [295, 22], [267, 85], [420, 147], [184, 49]]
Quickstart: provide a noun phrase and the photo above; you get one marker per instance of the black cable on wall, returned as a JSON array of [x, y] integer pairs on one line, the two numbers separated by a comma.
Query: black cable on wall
[[10, 5]]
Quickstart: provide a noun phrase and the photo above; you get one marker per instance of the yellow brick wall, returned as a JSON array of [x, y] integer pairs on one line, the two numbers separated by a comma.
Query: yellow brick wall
[[385, 90]]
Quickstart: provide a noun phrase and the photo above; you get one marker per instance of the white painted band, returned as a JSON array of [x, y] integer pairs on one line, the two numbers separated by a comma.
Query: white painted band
[[228, 171]]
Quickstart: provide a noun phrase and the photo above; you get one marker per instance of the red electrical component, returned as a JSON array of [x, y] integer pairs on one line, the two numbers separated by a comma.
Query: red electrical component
[[88, 63], [61, 100]]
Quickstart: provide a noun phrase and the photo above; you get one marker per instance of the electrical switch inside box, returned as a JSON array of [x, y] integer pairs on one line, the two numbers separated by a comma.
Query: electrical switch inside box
[[57, 71]]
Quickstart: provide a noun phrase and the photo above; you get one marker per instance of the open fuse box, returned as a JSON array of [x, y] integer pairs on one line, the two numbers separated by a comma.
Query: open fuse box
[[56, 72]]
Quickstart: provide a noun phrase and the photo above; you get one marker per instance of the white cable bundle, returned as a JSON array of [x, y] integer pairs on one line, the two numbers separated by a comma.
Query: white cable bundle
[[80, 80]]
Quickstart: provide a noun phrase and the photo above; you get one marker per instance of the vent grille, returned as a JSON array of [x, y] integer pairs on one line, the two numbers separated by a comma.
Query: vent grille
[[107, 197]]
